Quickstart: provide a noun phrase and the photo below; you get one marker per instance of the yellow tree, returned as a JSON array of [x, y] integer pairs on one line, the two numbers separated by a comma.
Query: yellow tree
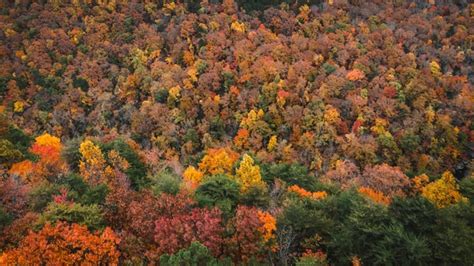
[[248, 174], [218, 161], [193, 175], [93, 163], [272, 143], [443, 192]]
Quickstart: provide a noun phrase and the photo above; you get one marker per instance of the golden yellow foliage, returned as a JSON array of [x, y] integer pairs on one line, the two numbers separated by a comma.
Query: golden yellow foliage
[[218, 161], [380, 125], [18, 107], [188, 58], [21, 54], [169, 8], [193, 175], [443, 192], [272, 143], [304, 13], [118, 161], [435, 68], [93, 163], [419, 182], [331, 115], [9, 32], [430, 114], [248, 174], [192, 73], [48, 140], [237, 26], [214, 25], [48, 148], [252, 117], [174, 92]]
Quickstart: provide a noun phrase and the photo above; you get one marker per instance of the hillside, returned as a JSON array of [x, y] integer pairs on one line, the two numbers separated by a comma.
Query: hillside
[[233, 133]]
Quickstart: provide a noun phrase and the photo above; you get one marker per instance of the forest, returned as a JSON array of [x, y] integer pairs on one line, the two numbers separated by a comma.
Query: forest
[[236, 132]]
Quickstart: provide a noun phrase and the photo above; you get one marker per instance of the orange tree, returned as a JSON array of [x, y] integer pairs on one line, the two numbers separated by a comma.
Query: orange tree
[[64, 244]]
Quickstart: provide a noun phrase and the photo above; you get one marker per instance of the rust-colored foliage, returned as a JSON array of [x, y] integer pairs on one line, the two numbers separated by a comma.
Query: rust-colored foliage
[[13, 233], [241, 139], [64, 244], [389, 180], [345, 174], [247, 239], [178, 231]]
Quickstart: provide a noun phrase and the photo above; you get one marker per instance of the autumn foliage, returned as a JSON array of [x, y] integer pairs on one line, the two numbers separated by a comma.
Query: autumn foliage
[[176, 232], [443, 192], [323, 132], [65, 244], [218, 161], [374, 195], [49, 164], [301, 192]]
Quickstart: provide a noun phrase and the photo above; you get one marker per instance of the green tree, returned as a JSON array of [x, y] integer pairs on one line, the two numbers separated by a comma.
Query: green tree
[[195, 255], [218, 190]]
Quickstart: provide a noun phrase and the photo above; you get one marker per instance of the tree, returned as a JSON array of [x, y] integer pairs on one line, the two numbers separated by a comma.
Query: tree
[[88, 215], [92, 164], [247, 240], [218, 161], [376, 238], [193, 175], [248, 174], [220, 191], [8, 153], [345, 173], [443, 192], [196, 254], [389, 180], [47, 147], [292, 174], [268, 227], [68, 244], [166, 182], [178, 231], [49, 166]]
